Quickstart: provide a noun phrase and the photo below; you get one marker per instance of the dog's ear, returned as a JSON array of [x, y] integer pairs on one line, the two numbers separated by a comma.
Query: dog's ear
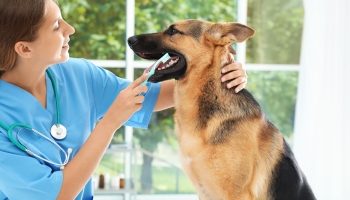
[[226, 33]]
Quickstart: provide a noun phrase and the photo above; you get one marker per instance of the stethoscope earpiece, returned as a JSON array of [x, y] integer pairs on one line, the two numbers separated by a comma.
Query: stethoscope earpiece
[[69, 151]]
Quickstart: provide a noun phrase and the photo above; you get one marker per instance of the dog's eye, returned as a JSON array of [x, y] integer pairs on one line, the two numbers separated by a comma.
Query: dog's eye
[[174, 31]]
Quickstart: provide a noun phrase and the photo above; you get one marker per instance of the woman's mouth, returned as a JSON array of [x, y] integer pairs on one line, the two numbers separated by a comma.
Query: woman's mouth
[[65, 47]]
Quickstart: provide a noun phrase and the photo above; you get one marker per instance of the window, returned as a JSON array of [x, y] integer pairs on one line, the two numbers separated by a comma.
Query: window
[[273, 54]]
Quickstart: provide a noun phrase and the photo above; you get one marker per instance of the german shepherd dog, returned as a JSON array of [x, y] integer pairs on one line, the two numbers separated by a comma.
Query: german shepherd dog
[[229, 149]]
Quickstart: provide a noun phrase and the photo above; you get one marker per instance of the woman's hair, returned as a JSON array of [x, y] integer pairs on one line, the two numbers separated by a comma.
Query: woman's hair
[[20, 20]]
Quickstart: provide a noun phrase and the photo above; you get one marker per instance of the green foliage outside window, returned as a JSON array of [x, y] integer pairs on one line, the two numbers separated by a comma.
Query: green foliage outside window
[[100, 28], [278, 25]]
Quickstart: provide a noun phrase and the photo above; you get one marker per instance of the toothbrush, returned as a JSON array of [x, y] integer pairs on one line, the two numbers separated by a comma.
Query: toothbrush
[[163, 59]]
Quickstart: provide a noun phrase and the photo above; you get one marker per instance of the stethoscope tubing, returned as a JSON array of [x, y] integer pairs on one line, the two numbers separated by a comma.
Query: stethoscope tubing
[[56, 96], [66, 154], [24, 148]]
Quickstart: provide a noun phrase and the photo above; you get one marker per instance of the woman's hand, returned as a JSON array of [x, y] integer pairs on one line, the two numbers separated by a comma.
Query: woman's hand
[[236, 75], [127, 102]]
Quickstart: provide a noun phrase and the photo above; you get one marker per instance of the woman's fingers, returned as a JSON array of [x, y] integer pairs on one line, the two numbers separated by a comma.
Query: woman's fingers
[[232, 67], [138, 81], [235, 75], [232, 75], [140, 89], [139, 99], [136, 88], [240, 87], [240, 82], [233, 70], [231, 58], [128, 100]]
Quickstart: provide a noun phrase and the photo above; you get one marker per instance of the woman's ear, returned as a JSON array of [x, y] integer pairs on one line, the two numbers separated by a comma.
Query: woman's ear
[[23, 49]]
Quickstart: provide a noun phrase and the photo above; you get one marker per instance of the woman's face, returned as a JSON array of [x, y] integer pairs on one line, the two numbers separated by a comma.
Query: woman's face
[[51, 45]]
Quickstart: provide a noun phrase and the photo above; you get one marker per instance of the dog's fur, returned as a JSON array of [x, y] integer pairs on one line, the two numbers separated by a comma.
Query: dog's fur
[[229, 149]]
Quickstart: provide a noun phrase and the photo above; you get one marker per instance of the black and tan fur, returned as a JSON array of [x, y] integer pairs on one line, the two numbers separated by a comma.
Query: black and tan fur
[[229, 149]]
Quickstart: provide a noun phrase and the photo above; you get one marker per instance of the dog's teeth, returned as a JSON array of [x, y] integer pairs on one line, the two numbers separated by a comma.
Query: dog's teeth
[[171, 62]]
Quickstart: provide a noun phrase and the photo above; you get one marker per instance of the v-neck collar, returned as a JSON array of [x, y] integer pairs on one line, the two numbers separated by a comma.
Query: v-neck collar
[[19, 106], [22, 98]]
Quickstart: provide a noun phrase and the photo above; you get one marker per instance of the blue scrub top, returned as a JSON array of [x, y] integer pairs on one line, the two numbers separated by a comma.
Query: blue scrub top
[[85, 92]]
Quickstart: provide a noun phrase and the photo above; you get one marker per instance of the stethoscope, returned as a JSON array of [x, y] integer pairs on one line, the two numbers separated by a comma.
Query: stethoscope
[[58, 131]]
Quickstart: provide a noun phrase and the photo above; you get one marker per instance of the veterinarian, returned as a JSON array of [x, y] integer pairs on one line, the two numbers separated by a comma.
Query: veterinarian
[[50, 144]]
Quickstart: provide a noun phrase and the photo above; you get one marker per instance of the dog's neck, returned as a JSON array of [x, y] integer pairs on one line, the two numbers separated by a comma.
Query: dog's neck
[[201, 94]]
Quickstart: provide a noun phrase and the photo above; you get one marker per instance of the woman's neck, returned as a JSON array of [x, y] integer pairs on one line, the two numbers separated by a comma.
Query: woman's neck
[[29, 79]]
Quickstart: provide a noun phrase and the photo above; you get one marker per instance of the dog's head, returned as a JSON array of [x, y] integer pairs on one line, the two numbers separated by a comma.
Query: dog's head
[[190, 43]]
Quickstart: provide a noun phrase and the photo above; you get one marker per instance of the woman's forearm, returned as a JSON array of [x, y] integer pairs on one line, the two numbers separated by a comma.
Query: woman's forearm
[[79, 170], [166, 96]]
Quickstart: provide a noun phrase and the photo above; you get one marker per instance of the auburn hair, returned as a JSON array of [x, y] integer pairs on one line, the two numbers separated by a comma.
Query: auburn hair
[[20, 20]]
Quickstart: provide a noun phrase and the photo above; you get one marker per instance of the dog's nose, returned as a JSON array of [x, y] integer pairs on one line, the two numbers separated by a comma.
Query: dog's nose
[[132, 40]]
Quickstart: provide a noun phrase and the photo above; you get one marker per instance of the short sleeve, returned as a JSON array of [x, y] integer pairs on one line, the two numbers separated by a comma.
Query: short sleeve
[[23, 176], [107, 86]]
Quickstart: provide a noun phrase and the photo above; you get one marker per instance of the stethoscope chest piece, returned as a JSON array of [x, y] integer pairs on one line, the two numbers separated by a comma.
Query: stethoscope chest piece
[[58, 131]]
